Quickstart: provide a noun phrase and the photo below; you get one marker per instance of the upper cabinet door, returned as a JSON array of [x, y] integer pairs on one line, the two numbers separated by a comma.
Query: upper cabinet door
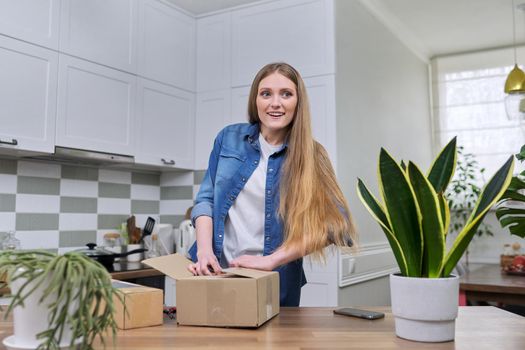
[[165, 125], [166, 45], [239, 98], [214, 52], [298, 32], [35, 21], [28, 87], [101, 31], [213, 114], [95, 107], [321, 93]]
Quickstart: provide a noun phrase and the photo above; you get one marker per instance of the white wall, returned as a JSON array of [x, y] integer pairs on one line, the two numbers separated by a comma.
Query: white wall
[[382, 100]]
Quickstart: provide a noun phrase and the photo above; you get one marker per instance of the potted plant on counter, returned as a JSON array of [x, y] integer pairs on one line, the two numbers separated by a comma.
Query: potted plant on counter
[[58, 301], [415, 217]]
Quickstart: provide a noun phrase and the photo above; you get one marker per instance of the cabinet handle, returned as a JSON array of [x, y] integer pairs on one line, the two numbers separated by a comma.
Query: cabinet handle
[[171, 162], [13, 142]]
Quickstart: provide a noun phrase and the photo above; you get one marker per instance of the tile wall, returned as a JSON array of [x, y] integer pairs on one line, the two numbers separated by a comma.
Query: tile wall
[[63, 207]]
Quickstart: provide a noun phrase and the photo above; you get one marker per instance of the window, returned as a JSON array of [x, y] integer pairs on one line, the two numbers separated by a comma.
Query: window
[[468, 101]]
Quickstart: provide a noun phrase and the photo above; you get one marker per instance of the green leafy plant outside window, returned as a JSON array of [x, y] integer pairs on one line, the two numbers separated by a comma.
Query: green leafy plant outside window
[[463, 192]]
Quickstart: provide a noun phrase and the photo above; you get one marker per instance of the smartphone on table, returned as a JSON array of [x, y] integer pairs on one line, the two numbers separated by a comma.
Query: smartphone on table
[[366, 314]]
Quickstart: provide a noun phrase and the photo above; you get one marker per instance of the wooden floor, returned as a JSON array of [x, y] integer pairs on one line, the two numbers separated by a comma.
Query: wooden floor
[[317, 328]]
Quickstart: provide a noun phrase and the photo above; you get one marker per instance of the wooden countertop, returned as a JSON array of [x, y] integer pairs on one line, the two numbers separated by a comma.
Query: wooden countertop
[[489, 278], [319, 328]]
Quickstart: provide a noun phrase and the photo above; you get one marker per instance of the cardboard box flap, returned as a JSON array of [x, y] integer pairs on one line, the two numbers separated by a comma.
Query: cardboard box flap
[[240, 271], [173, 265]]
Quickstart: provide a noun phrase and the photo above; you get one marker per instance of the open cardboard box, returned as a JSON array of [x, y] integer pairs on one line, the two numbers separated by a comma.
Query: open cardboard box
[[239, 298]]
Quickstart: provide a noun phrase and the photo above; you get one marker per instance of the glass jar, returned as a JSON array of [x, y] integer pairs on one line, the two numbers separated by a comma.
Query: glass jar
[[516, 248], [153, 252], [11, 242]]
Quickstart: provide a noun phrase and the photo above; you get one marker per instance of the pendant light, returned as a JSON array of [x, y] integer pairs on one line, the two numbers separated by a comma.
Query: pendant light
[[515, 83]]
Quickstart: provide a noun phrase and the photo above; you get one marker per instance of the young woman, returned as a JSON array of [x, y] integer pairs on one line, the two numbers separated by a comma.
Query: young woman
[[269, 196]]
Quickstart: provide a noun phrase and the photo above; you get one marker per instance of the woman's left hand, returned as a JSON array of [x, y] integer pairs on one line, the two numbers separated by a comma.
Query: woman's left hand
[[254, 262]]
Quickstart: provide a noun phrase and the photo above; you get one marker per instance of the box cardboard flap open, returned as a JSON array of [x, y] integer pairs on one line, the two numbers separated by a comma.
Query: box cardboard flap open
[[173, 265], [176, 267]]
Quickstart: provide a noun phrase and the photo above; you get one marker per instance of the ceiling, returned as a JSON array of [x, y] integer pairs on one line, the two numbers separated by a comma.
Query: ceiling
[[429, 27], [199, 7]]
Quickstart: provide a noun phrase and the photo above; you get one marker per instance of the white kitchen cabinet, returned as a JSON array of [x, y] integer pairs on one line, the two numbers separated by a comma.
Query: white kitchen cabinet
[[239, 98], [35, 21], [321, 93], [213, 114], [101, 31], [166, 44], [28, 85], [165, 125], [214, 52], [298, 32], [96, 107]]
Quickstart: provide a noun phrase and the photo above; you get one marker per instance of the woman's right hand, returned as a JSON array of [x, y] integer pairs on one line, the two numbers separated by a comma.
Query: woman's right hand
[[206, 264]]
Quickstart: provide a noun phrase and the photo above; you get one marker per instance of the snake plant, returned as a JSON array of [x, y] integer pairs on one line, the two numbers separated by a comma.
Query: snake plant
[[69, 279], [511, 212], [414, 214]]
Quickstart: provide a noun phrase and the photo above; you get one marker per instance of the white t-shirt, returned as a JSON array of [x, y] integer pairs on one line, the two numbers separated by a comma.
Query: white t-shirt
[[244, 225]]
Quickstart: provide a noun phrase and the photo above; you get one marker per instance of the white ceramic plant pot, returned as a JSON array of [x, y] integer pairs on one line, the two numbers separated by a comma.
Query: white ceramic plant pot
[[425, 309], [32, 318]]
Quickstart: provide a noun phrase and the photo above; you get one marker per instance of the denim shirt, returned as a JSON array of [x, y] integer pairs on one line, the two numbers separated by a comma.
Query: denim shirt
[[235, 156]]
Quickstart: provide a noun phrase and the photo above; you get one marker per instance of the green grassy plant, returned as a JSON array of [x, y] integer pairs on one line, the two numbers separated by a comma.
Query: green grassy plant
[[69, 279]]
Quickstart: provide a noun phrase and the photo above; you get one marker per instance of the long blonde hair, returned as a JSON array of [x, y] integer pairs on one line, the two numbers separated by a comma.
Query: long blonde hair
[[312, 206]]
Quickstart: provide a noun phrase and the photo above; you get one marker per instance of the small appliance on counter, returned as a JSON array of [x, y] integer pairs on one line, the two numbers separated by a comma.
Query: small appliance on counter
[[184, 237]]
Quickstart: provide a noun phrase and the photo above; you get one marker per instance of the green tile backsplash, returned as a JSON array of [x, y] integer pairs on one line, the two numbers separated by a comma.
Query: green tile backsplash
[[177, 192], [7, 202], [79, 173], [8, 166], [110, 190], [76, 238], [38, 185], [78, 205], [36, 222], [63, 207], [144, 206], [145, 179]]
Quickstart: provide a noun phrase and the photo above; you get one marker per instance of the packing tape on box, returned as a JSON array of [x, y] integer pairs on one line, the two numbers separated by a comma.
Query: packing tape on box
[[269, 299], [217, 314]]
